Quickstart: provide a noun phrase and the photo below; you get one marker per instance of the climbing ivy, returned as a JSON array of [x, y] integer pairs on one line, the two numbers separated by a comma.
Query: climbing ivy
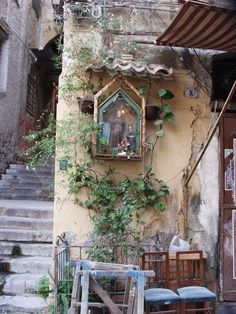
[[115, 201]]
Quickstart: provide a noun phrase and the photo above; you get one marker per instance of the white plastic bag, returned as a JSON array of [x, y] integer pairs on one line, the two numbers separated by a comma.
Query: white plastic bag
[[178, 244]]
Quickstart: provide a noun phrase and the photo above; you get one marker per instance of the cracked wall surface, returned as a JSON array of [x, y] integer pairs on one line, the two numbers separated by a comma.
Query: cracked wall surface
[[192, 210]]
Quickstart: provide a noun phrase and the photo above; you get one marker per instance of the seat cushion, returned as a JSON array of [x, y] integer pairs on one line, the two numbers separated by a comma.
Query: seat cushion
[[158, 296], [195, 294]]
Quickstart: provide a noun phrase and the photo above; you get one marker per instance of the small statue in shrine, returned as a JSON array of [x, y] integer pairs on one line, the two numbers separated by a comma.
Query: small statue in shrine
[[131, 138], [117, 129]]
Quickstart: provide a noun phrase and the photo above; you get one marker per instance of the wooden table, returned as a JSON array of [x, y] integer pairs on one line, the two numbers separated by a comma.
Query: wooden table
[[85, 277]]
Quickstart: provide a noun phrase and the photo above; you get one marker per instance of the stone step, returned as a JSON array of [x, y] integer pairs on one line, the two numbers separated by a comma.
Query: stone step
[[23, 305], [28, 167], [20, 284], [18, 196], [32, 190], [25, 223], [41, 236], [27, 178], [31, 209], [21, 265], [26, 172], [30, 184], [25, 249]]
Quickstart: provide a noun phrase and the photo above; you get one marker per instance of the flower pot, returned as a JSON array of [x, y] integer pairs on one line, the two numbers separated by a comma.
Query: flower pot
[[151, 112], [86, 105]]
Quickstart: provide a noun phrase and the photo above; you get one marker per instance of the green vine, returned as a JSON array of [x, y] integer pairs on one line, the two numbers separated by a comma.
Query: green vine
[[41, 140], [116, 206], [116, 202]]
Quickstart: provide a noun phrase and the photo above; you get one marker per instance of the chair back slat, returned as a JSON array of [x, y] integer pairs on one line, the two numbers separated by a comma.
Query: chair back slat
[[189, 268], [159, 263]]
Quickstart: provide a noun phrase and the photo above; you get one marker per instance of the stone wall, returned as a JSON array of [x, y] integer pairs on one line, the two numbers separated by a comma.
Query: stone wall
[[27, 30], [13, 90]]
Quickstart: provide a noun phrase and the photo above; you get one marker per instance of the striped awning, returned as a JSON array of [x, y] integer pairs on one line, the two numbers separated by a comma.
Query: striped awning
[[201, 25]]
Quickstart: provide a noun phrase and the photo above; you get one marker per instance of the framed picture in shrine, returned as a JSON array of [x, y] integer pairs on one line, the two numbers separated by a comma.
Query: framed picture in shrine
[[121, 120]]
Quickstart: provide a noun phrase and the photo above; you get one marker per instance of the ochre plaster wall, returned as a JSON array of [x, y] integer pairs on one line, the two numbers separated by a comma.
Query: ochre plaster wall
[[190, 210]]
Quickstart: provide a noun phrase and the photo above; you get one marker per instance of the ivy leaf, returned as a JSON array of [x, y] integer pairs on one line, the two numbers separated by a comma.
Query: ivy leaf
[[110, 171], [165, 109], [102, 141], [149, 142], [160, 206], [158, 122], [170, 117], [165, 94], [161, 193], [89, 86], [89, 164], [142, 90], [160, 133], [148, 169]]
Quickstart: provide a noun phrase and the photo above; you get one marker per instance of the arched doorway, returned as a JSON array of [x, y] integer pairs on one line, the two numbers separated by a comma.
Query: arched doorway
[[42, 88]]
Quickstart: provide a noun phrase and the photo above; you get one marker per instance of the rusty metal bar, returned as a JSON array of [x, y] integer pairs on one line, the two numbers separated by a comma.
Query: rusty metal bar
[[230, 96]]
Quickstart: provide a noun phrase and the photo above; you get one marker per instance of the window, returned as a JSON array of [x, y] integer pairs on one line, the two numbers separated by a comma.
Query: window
[[3, 64], [31, 95], [4, 33], [224, 75]]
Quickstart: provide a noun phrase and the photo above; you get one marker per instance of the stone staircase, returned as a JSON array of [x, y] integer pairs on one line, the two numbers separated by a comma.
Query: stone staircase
[[26, 212], [23, 182]]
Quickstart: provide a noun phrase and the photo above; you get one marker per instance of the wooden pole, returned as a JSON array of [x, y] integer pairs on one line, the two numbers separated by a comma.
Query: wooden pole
[[230, 96]]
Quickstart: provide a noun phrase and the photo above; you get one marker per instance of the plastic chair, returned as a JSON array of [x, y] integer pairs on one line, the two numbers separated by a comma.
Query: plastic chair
[[195, 298], [158, 298]]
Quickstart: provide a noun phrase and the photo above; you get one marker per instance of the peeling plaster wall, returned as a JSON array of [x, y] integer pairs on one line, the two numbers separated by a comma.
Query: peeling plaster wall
[[204, 206], [174, 155]]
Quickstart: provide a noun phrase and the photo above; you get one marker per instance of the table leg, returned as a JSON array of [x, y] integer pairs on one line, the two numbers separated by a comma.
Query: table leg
[[140, 293]]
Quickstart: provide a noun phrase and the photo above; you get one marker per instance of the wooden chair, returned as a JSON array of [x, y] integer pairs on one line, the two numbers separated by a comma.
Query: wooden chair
[[158, 297], [195, 298]]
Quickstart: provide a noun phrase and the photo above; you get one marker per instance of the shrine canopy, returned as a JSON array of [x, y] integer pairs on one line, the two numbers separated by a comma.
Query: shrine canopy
[[201, 25]]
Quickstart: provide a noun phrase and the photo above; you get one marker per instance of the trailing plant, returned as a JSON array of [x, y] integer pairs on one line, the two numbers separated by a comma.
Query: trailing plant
[[42, 140], [114, 205], [57, 58], [61, 292], [115, 201], [165, 115]]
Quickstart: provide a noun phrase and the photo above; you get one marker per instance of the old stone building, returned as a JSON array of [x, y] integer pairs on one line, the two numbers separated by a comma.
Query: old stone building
[[26, 75]]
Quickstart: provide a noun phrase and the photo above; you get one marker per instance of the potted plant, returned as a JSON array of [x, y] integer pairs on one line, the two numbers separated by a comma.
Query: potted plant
[[152, 111], [86, 102]]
